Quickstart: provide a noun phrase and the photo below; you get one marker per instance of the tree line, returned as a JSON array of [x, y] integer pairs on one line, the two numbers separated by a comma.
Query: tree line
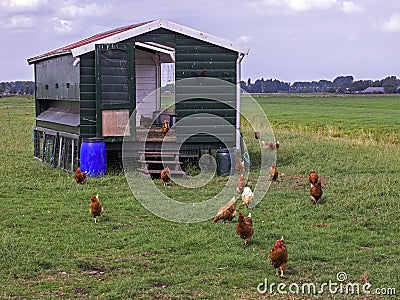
[[17, 88], [341, 84]]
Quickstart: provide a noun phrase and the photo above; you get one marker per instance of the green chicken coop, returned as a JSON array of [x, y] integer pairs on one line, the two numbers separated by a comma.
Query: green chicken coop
[[111, 86]]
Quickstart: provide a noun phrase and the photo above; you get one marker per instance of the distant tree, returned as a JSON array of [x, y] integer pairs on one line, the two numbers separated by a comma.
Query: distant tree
[[341, 84], [257, 88], [324, 85], [390, 84], [13, 90], [343, 81], [376, 83], [360, 85], [27, 89], [271, 86], [282, 87], [340, 90], [243, 86]]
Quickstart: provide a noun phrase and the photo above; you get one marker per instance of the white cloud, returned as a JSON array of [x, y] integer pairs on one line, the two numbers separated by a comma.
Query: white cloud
[[22, 5], [393, 24], [244, 39], [304, 5], [286, 6], [62, 27], [350, 7], [70, 9], [18, 22], [272, 3]]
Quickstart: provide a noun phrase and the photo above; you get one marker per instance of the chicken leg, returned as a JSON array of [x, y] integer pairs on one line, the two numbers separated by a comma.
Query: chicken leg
[[277, 272], [282, 276], [313, 200]]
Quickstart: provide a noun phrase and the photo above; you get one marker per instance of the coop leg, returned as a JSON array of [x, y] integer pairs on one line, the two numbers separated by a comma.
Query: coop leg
[[59, 152], [44, 147], [72, 155]]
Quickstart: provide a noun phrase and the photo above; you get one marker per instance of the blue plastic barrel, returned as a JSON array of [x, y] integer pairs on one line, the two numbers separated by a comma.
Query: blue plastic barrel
[[226, 159], [93, 157]]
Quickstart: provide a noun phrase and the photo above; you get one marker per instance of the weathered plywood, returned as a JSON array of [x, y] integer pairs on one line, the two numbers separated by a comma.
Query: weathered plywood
[[114, 122], [57, 78]]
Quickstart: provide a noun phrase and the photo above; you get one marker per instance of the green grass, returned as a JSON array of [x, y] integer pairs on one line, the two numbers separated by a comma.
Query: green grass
[[372, 119], [50, 248]]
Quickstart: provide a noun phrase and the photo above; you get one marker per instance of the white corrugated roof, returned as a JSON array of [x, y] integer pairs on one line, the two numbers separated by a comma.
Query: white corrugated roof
[[126, 32]]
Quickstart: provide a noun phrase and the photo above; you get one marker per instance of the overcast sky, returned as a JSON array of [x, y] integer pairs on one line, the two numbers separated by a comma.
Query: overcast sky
[[289, 40]]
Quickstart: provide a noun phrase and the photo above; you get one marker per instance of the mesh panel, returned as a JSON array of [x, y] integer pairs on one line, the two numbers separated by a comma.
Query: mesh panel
[[114, 76]]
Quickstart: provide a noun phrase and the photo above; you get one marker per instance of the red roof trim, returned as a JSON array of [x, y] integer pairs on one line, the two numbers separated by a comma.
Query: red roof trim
[[96, 37]]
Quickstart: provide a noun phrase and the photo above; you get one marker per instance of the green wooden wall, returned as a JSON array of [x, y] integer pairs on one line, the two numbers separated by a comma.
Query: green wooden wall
[[195, 95], [87, 95]]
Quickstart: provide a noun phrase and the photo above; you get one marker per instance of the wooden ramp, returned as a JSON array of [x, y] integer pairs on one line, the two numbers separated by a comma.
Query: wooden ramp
[[152, 162]]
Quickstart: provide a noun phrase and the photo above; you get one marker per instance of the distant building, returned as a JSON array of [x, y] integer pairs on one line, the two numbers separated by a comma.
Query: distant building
[[373, 90]]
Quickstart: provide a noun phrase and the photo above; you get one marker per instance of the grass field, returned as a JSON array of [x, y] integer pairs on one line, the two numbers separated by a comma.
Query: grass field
[[50, 247]]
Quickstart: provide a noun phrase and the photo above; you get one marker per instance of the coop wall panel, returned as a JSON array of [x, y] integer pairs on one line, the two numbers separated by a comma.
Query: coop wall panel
[[203, 48], [87, 115], [57, 78], [162, 36], [87, 96], [205, 104], [195, 59]]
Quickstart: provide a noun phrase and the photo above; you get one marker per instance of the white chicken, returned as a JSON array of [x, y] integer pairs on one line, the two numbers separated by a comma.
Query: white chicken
[[247, 196]]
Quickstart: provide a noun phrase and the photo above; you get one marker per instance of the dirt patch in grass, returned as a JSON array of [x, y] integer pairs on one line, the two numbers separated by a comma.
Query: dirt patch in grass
[[320, 225], [159, 284], [96, 270], [298, 182]]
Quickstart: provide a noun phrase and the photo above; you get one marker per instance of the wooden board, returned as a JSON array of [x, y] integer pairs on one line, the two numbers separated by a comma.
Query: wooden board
[[114, 122]]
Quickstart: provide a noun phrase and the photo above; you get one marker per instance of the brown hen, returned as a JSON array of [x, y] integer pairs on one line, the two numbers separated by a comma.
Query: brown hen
[[166, 176], [226, 212], [273, 172], [95, 208], [312, 177], [165, 128], [242, 182], [239, 166], [270, 146], [80, 177], [244, 227], [278, 257], [316, 191]]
